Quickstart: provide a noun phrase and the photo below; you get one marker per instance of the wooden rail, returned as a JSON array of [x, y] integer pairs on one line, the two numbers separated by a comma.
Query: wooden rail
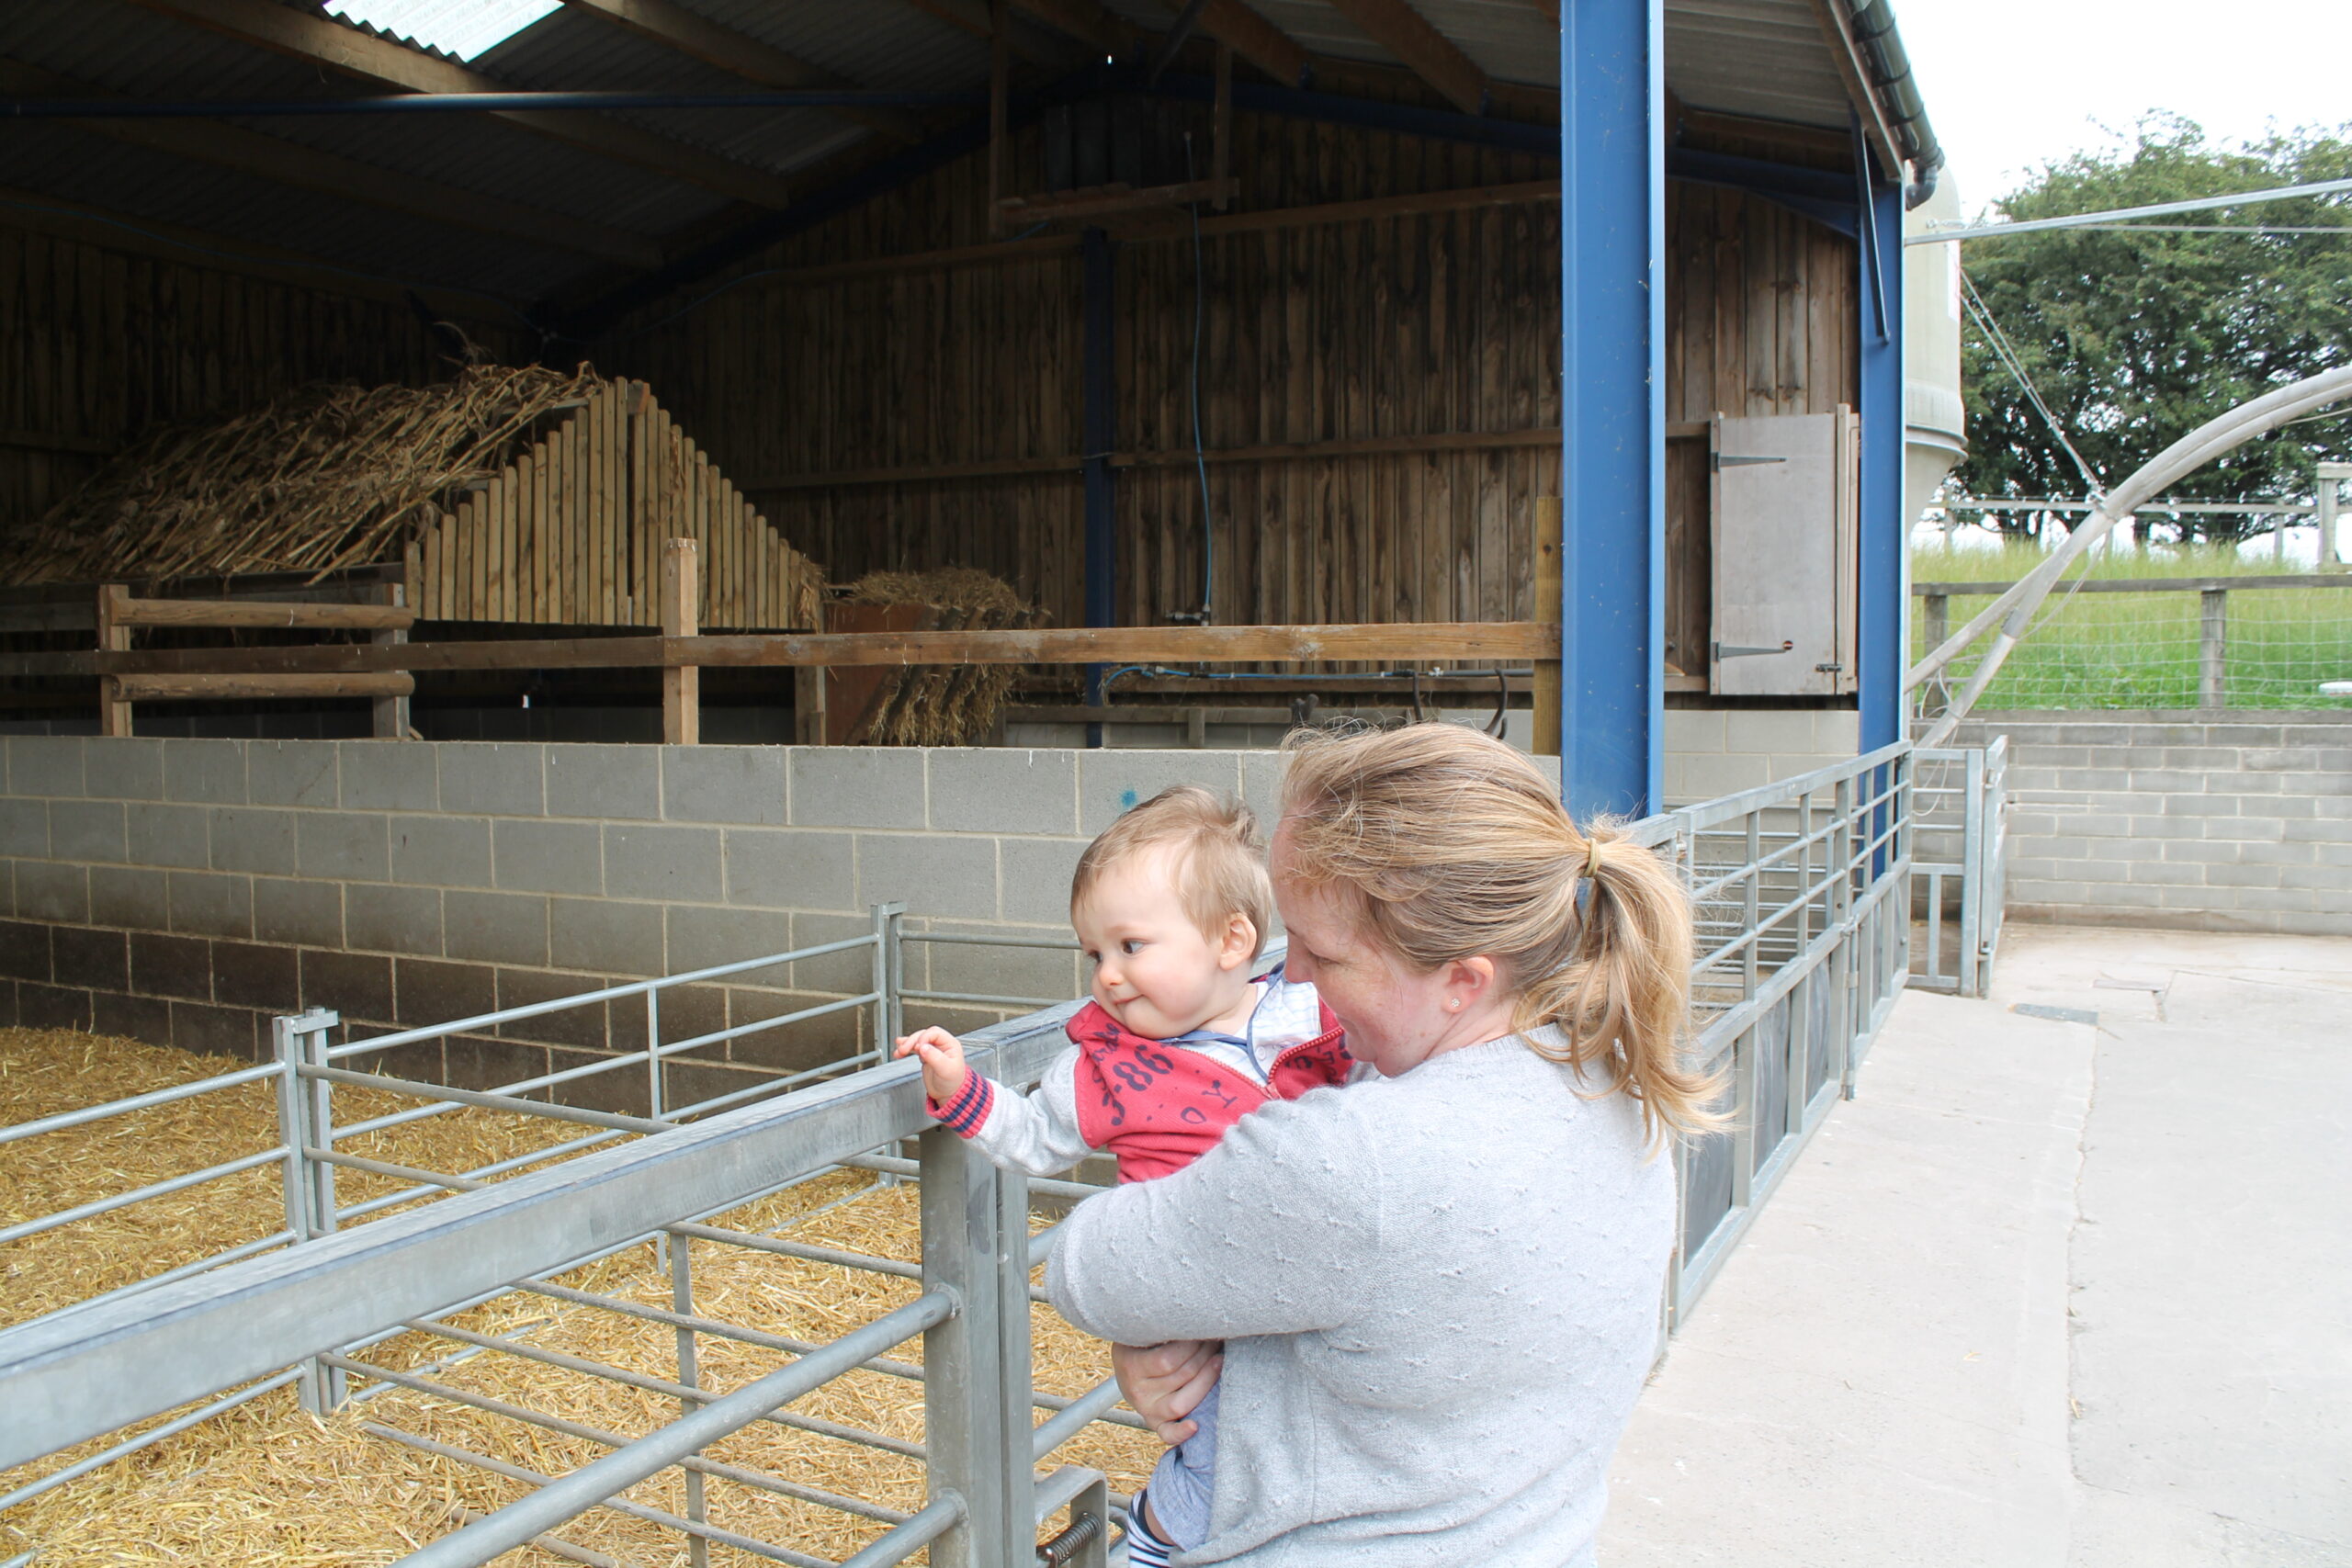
[[245, 613], [205, 674], [1391, 642], [382, 669], [2141, 585]]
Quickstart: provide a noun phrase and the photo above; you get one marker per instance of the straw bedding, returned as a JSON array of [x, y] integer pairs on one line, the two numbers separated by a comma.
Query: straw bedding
[[269, 1485], [326, 476], [943, 704]]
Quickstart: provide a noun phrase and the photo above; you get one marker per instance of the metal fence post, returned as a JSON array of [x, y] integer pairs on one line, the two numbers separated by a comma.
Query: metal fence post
[[682, 1300], [889, 978], [306, 1121], [975, 1437], [1972, 849], [2212, 650]]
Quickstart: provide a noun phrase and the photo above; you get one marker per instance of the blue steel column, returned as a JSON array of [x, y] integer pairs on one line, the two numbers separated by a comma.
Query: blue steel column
[[1613, 238], [1101, 435], [1885, 532]]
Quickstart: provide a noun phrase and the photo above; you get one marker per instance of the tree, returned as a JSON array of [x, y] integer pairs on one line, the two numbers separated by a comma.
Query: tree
[[2134, 339]]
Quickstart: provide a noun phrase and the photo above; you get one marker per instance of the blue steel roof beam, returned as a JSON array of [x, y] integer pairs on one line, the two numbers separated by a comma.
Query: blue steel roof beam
[[318, 39]]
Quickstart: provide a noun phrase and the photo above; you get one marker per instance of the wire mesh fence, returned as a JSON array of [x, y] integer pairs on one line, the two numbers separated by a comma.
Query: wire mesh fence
[[2239, 641]]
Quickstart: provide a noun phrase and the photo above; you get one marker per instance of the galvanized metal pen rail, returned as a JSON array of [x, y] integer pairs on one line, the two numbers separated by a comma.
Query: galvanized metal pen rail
[[1802, 890]]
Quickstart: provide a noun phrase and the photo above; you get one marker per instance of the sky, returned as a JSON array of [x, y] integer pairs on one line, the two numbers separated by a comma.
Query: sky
[[2010, 84]]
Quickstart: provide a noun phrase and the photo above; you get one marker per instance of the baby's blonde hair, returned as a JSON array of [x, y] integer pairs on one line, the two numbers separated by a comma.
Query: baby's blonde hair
[[1217, 861], [1453, 845]]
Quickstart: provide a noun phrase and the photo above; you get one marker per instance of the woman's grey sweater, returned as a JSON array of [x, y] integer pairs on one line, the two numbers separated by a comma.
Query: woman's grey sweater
[[1439, 1295]]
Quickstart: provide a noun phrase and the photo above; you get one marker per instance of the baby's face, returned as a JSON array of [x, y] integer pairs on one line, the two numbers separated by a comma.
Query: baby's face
[[1154, 970]]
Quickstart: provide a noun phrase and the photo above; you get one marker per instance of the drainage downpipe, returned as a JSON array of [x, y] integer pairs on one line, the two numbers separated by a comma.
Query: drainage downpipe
[[1873, 22]]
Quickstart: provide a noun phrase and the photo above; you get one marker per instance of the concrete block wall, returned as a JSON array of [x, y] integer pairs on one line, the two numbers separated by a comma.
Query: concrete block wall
[[1718, 752], [2232, 821], [183, 891]]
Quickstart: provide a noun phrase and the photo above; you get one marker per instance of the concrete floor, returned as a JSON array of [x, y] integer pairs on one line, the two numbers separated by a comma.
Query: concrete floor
[[2047, 1293]]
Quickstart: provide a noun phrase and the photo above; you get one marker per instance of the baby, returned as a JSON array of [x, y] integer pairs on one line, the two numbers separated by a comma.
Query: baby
[[1172, 905]]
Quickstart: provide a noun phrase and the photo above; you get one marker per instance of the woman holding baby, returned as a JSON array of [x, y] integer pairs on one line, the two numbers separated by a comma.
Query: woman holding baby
[[1393, 1220], [1437, 1289]]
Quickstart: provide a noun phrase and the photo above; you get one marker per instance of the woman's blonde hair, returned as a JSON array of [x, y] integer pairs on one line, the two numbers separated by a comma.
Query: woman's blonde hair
[[1453, 845]]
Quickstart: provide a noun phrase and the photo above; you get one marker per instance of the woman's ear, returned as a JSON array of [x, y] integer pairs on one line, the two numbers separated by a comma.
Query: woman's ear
[[1471, 981], [1241, 944]]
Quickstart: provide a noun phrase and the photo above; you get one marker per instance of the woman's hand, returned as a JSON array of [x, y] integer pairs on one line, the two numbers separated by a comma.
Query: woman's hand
[[1163, 1382], [944, 1072]]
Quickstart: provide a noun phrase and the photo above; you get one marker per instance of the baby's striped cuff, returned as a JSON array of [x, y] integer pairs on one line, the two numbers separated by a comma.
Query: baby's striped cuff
[[968, 1111]]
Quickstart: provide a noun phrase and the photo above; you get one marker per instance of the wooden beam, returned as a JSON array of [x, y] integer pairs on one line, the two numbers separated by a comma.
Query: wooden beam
[[2286, 579], [1404, 32], [1177, 456], [307, 168], [1393, 641], [78, 221], [246, 612], [1054, 246], [740, 55], [1029, 41], [1088, 21], [681, 606], [1102, 201], [208, 688], [114, 703], [999, 108], [1549, 592], [319, 41], [1255, 39]]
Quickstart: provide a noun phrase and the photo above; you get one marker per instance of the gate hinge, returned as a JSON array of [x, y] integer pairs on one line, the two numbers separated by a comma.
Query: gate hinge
[[1734, 650]]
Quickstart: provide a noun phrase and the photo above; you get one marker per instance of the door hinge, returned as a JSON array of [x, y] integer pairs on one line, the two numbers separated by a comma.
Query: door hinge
[[1828, 668], [1732, 650], [1718, 460]]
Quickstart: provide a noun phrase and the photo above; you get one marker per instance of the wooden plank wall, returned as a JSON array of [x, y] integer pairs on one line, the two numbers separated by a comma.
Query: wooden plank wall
[[96, 344], [571, 533], [1395, 327], [1760, 321], [1403, 327]]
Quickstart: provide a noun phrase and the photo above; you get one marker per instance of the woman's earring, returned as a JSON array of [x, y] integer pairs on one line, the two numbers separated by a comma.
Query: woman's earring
[[1453, 1001]]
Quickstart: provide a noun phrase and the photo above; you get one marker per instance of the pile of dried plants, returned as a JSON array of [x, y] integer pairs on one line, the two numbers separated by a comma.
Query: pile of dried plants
[[327, 476]]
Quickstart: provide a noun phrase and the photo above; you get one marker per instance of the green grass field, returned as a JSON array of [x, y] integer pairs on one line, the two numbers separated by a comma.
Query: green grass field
[[2140, 651]]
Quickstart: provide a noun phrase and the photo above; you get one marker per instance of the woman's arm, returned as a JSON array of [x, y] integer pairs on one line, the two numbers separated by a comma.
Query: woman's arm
[[1274, 1231]]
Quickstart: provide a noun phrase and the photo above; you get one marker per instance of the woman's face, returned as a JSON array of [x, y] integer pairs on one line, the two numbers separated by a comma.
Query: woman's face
[[1396, 1017]]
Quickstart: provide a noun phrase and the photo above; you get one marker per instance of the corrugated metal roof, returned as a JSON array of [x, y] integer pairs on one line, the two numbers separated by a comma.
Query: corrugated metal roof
[[84, 170], [1764, 58]]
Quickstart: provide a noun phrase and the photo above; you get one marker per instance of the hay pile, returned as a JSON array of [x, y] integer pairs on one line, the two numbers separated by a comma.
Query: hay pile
[[942, 705], [326, 476], [268, 1483]]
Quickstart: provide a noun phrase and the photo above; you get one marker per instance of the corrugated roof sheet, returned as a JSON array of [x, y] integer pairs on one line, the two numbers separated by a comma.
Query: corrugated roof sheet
[[1765, 58]]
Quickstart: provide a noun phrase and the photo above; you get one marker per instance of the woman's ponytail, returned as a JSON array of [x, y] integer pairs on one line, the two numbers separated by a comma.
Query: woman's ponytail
[[1621, 1000]]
